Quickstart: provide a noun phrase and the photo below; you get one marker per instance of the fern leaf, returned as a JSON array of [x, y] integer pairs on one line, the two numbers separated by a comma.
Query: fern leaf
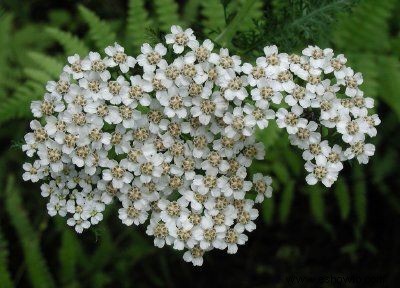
[[167, 14], [214, 17], [286, 201], [389, 79], [254, 15], [191, 11], [68, 41], [38, 272], [227, 34], [342, 198], [100, 31], [37, 75], [18, 105], [47, 63], [5, 32], [137, 23], [374, 33]]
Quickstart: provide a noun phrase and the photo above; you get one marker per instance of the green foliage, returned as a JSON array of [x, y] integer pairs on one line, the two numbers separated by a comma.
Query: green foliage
[[242, 13], [167, 14], [5, 277], [47, 63], [35, 263], [371, 49], [137, 24], [68, 257], [99, 31], [342, 198], [317, 204], [360, 198], [5, 31], [68, 41], [213, 13], [286, 201]]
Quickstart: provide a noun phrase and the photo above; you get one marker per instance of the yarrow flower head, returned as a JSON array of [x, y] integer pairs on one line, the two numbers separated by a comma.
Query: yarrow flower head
[[172, 142]]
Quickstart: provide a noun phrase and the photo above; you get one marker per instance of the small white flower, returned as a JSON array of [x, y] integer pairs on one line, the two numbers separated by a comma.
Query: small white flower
[[96, 64], [75, 68], [129, 214], [262, 185], [232, 239], [290, 120], [117, 173], [239, 123], [119, 58], [264, 94], [180, 38], [318, 57], [152, 57], [361, 151], [322, 171]]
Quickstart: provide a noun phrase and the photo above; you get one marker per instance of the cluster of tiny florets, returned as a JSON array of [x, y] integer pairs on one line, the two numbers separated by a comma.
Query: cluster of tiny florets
[[169, 136]]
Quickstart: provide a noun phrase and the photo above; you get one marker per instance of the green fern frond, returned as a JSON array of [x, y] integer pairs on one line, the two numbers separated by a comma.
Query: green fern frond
[[342, 198], [137, 24], [389, 79], [18, 105], [213, 13], [254, 15], [68, 41], [5, 35], [167, 14], [100, 31], [191, 11], [36, 266], [47, 63], [37, 75], [370, 49], [373, 17]]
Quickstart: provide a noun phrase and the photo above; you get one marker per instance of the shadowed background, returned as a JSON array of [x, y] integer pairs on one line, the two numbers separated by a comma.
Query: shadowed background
[[304, 232]]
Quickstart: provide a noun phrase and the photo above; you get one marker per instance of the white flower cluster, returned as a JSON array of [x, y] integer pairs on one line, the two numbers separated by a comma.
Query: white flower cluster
[[326, 95], [169, 135]]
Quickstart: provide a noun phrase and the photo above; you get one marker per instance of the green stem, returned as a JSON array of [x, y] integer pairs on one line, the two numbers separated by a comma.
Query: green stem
[[227, 34]]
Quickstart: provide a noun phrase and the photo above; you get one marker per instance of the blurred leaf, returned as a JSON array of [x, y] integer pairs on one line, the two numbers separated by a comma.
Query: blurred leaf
[[71, 44], [227, 34], [191, 11], [360, 198], [268, 210], [286, 201], [167, 14], [68, 255], [5, 277], [213, 13], [137, 24], [343, 198], [47, 63], [38, 271], [317, 203], [100, 31]]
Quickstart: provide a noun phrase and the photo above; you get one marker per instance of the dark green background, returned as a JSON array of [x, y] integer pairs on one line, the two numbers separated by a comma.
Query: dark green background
[[350, 229]]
